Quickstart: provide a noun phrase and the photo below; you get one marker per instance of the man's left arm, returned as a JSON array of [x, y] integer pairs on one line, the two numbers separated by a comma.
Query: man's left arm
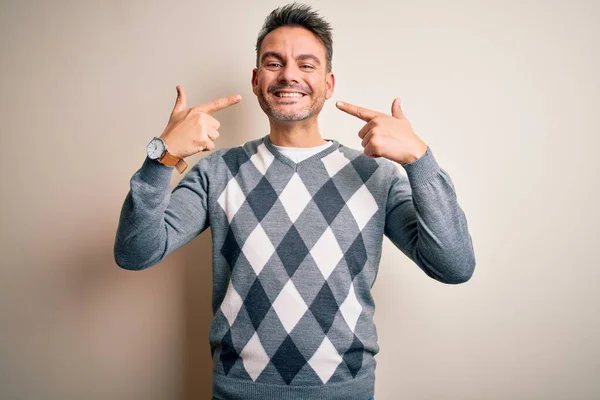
[[425, 221], [423, 217]]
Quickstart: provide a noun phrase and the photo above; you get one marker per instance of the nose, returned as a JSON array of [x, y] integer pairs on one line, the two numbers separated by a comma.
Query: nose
[[289, 73]]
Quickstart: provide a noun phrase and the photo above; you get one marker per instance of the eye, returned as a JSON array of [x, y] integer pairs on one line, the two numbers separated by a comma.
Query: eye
[[307, 66], [273, 64]]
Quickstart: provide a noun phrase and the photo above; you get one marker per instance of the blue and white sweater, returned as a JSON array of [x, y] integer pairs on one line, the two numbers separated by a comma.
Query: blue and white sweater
[[296, 250]]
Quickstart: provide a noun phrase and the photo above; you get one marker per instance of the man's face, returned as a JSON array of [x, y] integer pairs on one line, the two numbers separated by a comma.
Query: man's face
[[292, 82]]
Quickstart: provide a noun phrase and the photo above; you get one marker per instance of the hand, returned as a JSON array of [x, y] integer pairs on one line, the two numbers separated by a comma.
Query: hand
[[193, 130], [391, 137]]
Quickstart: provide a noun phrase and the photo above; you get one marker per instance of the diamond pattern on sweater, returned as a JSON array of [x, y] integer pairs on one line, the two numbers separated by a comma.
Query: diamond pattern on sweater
[[228, 354], [230, 250], [290, 306], [254, 357], [351, 309], [324, 307], [231, 199], [294, 197], [273, 278], [311, 224], [334, 162], [234, 158], [232, 304], [242, 330], [326, 252], [261, 198], [276, 224], [340, 334], [271, 332], [312, 279], [325, 360], [288, 360], [354, 356], [262, 159], [307, 343], [258, 249], [329, 201], [294, 246], [356, 256], [257, 303], [365, 167], [363, 206], [292, 250], [243, 276]]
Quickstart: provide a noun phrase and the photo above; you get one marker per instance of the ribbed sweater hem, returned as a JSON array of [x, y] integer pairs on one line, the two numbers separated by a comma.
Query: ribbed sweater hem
[[225, 388]]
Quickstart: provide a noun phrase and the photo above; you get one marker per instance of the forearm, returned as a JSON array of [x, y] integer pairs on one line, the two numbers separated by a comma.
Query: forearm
[[429, 225], [154, 221]]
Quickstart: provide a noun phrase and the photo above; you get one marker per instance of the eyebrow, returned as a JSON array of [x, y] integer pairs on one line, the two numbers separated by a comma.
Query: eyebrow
[[301, 57]]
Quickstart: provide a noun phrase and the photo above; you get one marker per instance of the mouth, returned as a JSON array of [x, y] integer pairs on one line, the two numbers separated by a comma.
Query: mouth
[[284, 94]]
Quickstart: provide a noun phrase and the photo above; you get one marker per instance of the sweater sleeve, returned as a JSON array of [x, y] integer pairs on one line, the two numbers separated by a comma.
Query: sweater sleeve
[[425, 221], [154, 220]]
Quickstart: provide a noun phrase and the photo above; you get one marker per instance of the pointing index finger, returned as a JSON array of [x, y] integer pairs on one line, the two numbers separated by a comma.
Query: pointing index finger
[[219, 104], [363, 113]]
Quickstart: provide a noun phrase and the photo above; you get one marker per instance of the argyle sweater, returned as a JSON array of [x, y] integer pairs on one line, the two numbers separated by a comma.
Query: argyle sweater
[[296, 250]]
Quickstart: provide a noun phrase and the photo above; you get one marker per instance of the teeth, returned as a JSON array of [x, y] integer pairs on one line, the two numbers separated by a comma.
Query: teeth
[[282, 94]]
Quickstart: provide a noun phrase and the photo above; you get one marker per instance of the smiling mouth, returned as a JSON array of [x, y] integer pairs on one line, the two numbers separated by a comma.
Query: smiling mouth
[[289, 95]]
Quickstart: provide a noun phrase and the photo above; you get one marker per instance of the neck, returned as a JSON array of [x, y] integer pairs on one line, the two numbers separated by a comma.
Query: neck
[[296, 133]]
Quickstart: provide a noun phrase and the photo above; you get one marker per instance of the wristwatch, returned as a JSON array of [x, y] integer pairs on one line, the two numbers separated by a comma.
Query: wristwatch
[[157, 150]]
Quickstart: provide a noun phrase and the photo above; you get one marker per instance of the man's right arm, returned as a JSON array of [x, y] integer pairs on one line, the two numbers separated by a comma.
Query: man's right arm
[[155, 221]]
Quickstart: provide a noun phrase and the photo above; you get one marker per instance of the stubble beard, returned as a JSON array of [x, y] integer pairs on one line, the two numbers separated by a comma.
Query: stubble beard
[[293, 115]]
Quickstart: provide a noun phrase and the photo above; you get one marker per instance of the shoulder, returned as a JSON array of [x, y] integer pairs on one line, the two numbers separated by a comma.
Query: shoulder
[[368, 165], [232, 157]]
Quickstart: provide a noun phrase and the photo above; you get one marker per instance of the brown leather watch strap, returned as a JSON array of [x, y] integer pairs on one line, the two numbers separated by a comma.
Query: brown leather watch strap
[[172, 161], [181, 166]]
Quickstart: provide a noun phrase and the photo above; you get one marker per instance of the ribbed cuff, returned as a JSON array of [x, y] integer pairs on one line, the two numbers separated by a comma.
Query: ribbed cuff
[[423, 169]]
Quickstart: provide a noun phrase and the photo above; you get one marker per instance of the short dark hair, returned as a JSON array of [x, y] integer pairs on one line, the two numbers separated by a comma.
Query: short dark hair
[[295, 14]]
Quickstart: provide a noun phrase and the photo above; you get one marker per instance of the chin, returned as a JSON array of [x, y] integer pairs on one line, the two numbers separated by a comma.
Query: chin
[[280, 113], [288, 117]]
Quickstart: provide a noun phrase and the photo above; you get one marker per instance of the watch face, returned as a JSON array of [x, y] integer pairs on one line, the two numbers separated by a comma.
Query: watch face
[[155, 149]]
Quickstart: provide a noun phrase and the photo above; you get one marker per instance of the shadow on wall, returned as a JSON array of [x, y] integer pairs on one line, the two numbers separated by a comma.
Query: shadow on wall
[[196, 258]]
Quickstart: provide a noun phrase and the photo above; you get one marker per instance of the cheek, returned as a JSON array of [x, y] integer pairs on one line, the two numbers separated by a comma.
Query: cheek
[[318, 86], [263, 85]]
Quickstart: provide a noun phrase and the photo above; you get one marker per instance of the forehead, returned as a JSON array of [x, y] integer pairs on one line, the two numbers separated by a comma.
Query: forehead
[[293, 40]]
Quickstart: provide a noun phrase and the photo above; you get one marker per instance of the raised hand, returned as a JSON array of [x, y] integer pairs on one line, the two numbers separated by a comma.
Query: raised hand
[[192, 130], [388, 136]]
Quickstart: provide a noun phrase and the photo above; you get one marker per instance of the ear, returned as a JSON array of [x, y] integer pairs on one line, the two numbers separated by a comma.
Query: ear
[[255, 81], [329, 84]]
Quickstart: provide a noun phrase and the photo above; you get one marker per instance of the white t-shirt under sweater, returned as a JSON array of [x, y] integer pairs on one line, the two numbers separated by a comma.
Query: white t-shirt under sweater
[[297, 154]]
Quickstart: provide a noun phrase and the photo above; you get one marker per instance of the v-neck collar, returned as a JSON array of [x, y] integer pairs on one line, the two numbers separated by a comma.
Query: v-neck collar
[[295, 165]]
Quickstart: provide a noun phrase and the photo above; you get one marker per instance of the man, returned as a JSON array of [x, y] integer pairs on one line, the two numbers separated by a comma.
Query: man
[[297, 222]]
